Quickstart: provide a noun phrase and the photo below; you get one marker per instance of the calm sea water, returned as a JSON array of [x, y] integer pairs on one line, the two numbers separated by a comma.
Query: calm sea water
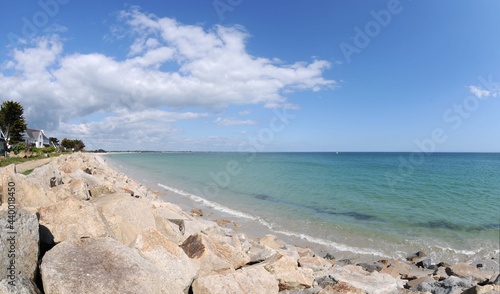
[[388, 204]]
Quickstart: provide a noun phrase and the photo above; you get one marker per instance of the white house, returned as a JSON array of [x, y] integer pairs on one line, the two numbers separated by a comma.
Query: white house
[[36, 137], [3, 143]]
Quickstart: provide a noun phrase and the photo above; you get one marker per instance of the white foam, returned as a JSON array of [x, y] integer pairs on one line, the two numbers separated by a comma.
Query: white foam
[[208, 203], [270, 226], [464, 252], [335, 245]]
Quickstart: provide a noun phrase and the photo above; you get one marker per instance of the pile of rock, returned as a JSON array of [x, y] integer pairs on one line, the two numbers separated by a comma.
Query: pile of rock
[[23, 154], [92, 229]]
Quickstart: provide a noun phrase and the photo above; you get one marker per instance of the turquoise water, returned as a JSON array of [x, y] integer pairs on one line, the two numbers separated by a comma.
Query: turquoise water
[[382, 203]]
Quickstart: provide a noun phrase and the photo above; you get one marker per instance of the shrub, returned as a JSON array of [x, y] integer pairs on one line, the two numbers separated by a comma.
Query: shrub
[[48, 149], [18, 147]]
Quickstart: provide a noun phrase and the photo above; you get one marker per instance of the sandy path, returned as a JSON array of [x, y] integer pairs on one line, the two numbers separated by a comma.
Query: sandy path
[[32, 164]]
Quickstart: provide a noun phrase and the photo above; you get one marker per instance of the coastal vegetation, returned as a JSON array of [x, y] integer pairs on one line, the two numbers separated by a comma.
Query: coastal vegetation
[[75, 145], [12, 121], [18, 142]]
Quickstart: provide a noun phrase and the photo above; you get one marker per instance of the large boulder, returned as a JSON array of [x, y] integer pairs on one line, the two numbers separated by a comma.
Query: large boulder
[[214, 256], [167, 257], [125, 216], [101, 265], [464, 270], [285, 269], [23, 285], [78, 189], [254, 279], [315, 263], [102, 189], [18, 243], [374, 282], [170, 221], [451, 285], [73, 163], [398, 268], [70, 219], [33, 194], [485, 289], [259, 253], [90, 180], [42, 175]]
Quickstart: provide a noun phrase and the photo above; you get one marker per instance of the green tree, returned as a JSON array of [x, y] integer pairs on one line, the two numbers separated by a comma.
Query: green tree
[[79, 145], [70, 144], [54, 141], [12, 121], [67, 143]]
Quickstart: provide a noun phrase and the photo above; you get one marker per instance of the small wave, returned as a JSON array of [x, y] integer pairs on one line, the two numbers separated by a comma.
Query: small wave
[[270, 226], [458, 251], [208, 203], [337, 246]]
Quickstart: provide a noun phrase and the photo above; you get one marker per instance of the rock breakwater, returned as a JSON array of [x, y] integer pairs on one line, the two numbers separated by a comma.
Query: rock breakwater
[[78, 226]]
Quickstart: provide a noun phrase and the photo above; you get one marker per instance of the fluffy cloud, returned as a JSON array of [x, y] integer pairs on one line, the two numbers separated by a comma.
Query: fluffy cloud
[[129, 130], [225, 122], [478, 92], [169, 66]]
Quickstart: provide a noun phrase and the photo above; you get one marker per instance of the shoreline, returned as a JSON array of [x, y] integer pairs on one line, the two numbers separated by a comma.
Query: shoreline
[[245, 223], [256, 227], [91, 206]]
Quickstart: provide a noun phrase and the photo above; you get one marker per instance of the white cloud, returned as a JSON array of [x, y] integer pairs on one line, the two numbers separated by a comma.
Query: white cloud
[[478, 92], [127, 129], [208, 69], [225, 122]]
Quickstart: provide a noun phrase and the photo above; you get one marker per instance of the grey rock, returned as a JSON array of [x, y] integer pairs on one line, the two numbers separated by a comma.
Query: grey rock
[[18, 243], [254, 279], [315, 263], [414, 284], [22, 285], [485, 289], [259, 253], [325, 281], [448, 286], [344, 262], [426, 263], [497, 280], [425, 287], [370, 267], [101, 265]]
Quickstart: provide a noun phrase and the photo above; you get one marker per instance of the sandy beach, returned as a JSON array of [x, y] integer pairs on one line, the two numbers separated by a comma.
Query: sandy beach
[[83, 227]]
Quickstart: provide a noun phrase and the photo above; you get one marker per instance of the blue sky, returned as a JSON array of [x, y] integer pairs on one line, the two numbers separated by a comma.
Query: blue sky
[[236, 75]]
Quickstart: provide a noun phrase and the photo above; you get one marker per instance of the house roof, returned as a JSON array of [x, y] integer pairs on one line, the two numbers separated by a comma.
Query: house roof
[[33, 134]]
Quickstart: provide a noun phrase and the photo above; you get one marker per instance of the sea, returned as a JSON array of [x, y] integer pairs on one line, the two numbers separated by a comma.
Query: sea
[[387, 205]]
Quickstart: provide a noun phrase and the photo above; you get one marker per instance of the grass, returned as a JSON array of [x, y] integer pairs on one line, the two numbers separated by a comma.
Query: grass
[[17, 160], [27, 172]]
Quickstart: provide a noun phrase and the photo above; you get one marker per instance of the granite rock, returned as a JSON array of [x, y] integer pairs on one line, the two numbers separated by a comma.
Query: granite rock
[[254, 279], [99, 266]]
